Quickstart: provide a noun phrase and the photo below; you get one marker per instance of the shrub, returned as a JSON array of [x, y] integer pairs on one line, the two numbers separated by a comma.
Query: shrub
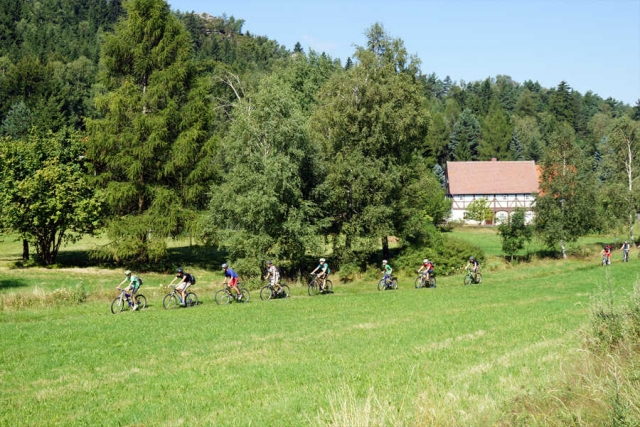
[[40, 298], [448, 254]]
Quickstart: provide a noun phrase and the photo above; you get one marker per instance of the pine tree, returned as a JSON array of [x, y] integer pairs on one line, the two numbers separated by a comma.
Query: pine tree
[[151, 148], [436, 141], [496, 134], [515, 147], [561, 103], [465, 137]]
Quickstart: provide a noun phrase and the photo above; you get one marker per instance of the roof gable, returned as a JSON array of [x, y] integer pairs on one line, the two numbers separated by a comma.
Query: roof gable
[[494, 177]]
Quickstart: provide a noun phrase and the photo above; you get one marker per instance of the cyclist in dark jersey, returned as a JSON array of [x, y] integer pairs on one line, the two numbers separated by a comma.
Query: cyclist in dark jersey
[[186, 280]]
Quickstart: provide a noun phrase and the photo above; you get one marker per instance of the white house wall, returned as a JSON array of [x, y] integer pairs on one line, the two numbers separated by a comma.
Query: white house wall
[[501, 204]]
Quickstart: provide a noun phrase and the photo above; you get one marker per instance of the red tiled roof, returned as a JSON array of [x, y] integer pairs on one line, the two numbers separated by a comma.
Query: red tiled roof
[[492, 177]]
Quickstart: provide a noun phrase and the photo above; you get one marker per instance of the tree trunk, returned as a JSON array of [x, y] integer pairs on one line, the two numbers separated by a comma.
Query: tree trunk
[[25, 249], [385, 247], [564, 253]]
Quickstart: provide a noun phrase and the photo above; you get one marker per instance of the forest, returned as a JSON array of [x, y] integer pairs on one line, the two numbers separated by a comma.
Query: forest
[[140, 123]]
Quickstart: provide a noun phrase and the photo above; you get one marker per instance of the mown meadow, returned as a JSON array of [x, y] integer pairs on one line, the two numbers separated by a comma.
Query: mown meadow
[[451, 356]]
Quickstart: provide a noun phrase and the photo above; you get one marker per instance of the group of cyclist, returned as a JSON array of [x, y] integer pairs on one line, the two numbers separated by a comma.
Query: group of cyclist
[[231, 278], [606, 253]]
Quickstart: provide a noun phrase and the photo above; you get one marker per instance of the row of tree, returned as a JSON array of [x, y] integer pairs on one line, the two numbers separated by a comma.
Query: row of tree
[[180, 124]]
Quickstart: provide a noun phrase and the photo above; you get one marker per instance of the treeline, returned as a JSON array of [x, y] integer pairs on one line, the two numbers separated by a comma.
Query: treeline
[[182, 124]]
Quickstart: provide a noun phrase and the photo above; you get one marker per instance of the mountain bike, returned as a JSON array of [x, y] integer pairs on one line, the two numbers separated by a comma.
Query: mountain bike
[[173, 299], [390, 284], [226, 295], [472, 278], [421, 281], [606, 260], [315, 286], [118, 303], [269, 292]]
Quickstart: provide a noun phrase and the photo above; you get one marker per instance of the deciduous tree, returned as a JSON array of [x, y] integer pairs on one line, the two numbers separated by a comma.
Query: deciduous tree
[[45, 195]]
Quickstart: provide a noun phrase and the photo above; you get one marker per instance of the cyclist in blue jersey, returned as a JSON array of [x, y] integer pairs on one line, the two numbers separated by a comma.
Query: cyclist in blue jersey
[[231, 279]]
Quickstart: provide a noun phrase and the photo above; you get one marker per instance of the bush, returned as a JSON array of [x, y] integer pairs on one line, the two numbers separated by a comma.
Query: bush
[[448, 254], [39, 298]]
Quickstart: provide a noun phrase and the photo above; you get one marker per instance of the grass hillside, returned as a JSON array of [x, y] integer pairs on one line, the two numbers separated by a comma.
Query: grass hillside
[[452, 356]]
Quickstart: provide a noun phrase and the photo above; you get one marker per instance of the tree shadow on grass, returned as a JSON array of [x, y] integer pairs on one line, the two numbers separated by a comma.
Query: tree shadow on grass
[[10, 284], [203, 257]]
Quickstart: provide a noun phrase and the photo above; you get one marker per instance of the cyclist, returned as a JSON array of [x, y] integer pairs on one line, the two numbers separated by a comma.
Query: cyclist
[[134, 285], [186, 280], [625, 250], [606, 254], [427, 268], [324, 272], [474, 265], [231, 279], [387, 270], [273, 275]]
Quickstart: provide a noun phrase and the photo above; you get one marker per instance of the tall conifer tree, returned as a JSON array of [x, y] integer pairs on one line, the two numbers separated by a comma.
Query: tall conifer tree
[[150, 148]]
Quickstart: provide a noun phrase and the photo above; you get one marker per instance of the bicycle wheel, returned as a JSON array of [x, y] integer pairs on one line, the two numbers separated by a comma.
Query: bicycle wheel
[[117, 305], [313, 288], [265, 293], [222, 297], [170, 301], [285, 291], [478, 278], [394, 284], [419, 282], [467, 279], [245, 295], [381, 285], [141, 301], [328, 287], [191, 299], [432, 281]]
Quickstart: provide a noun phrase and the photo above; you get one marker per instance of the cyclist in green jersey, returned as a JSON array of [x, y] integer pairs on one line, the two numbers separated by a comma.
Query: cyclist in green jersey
[[324, 269], [387, 270], [132, 288]]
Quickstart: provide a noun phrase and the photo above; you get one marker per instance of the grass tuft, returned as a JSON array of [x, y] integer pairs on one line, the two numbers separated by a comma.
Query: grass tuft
[[42, 298]]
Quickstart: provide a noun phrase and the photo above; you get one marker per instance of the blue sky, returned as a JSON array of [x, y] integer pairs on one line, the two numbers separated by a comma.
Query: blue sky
[[592, 45]]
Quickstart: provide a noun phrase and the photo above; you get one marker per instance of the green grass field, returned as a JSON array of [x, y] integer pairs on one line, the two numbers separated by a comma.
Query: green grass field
[[452, 355]]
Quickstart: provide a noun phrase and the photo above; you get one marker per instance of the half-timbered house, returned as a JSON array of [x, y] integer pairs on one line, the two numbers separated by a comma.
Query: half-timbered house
[[505, 185]]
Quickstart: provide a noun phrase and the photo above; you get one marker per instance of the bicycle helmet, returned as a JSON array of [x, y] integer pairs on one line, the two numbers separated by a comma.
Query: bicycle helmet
[[471, 258], [269, 262], [180, 271], [384, 261], [424, 261], [322, 260], [127, 273], [225, 265]]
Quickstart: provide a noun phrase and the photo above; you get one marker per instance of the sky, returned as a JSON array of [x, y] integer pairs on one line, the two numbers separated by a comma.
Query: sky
[[592, 45]]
